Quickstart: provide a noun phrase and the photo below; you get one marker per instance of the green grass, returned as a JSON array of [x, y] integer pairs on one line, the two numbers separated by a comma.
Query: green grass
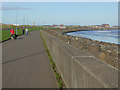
[[8, 26], [58, 76], [5, 34], [53, 28], [0, 35]]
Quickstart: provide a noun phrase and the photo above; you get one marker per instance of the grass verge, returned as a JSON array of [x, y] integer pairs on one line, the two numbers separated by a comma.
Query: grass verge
[[5, 34], [57, 74]]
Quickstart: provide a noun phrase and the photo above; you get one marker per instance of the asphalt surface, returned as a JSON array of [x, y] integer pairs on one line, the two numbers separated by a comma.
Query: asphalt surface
[[25, 63]]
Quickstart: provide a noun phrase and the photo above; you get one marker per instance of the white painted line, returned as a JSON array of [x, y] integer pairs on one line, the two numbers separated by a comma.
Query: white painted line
[[83, 56]]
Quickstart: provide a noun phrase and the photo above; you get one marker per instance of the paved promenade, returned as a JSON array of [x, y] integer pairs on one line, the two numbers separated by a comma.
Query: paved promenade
[[26, 64]]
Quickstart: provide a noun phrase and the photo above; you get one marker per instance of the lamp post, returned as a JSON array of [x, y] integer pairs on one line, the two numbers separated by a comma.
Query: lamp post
[[23, 21], [16, 20], [33, 25], [27, 22]]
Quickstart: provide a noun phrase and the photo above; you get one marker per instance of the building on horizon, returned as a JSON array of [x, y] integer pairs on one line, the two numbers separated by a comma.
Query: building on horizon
[[59, 26], [105, 25], [115, 27]]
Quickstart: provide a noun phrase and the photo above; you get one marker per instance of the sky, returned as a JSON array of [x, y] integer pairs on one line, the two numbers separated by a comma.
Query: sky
[[69, 13], [60, 0]]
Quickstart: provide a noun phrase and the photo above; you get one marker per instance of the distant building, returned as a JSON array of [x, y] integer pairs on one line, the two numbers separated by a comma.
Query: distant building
[[62, 27], [55, 25], [95, 26], [58, 26], [116, 27], [106, 25], [15, 24]]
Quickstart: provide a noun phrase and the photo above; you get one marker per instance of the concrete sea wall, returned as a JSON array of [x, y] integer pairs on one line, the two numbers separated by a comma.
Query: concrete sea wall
[[80, 69], [106, 52]]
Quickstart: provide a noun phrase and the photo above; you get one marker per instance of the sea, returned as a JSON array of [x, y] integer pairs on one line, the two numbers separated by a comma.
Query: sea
[[111, 36]]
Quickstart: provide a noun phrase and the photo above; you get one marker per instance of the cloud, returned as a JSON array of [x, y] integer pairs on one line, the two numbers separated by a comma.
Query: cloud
[[14, 8]]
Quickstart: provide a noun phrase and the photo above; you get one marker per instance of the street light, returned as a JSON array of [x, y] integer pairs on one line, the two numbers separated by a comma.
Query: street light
[[16, 20], [27, 22], [23, 21]]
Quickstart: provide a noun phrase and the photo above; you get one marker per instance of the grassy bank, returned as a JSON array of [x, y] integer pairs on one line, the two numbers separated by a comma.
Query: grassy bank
[[5, 34]]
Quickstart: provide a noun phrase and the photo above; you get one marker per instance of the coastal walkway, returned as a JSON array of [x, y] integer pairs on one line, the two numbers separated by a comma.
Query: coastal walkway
[[25, 63]]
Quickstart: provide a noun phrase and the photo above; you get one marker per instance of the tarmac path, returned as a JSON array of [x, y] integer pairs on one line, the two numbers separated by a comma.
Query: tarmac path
[[25, 63]]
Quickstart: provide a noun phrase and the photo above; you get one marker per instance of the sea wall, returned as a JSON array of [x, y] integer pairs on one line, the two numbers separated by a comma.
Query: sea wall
[[106, 52], [78, 68]]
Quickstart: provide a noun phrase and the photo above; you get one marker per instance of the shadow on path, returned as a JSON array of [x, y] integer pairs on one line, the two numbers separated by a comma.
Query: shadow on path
[[19, 38], [22, 57]]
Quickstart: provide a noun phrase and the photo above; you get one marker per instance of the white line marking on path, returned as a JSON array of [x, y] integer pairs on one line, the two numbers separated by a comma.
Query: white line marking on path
[[83, 56]]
